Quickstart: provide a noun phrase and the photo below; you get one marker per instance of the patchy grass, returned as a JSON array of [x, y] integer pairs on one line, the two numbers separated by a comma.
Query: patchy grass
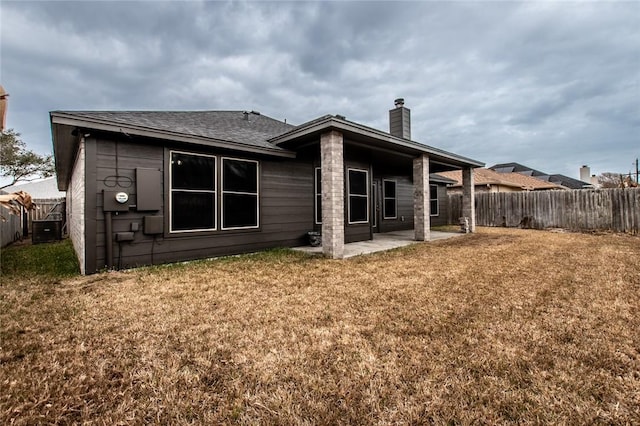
[[497, 327], [51, 260], [446, 228]]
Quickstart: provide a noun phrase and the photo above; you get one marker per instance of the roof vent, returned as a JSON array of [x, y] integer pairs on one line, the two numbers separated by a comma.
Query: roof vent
[[399, 102], [340, 117], [246, 115]]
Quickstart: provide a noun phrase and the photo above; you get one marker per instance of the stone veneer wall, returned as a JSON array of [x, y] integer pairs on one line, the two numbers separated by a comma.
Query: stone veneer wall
[[76, 206], [421, 201], [468, 198], [332, 171]]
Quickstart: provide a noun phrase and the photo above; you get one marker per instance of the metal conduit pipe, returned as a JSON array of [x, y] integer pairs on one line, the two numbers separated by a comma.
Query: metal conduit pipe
[[108, 239]]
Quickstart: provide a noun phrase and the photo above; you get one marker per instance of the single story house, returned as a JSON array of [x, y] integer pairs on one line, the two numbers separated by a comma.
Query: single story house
[[487, 180], [148, 187]]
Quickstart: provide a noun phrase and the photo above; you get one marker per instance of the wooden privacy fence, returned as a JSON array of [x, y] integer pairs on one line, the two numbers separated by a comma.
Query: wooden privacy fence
[[10, 230], [587, 209]]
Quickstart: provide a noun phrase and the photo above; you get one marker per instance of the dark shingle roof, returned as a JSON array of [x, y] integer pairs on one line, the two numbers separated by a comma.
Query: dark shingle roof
[[229, 126], [569, 182], [557, 179], [516, 168]]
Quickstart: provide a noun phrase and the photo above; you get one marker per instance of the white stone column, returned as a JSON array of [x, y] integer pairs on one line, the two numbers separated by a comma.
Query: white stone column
[[421, 199], [332, 172], [468, 198]]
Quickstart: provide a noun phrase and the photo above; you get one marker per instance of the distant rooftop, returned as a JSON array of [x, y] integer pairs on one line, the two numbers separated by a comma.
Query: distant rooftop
[[562, 180], [482, 176], [43, 188]]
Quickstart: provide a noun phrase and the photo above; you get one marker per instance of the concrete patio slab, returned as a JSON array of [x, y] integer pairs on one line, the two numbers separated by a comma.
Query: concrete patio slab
[[381, 242]]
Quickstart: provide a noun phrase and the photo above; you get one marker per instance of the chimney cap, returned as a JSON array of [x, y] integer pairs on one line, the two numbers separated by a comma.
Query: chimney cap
[[399, 102]]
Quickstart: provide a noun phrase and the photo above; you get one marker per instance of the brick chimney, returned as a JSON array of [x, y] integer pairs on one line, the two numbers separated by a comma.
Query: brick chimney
[[585, 174], [400, 120]]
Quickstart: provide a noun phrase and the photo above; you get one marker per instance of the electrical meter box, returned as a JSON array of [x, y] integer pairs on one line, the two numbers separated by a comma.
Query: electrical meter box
[[115, 201]]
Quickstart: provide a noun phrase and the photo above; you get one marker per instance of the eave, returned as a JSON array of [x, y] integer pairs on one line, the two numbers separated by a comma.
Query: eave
[[65, 145], [376, 137], [90, 123]]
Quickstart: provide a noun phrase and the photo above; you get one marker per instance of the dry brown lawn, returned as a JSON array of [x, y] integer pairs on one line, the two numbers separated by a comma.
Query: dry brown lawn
[[504, 326]]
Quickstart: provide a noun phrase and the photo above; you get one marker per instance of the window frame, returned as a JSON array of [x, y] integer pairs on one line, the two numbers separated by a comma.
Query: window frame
[[318, 195], [214, 192], [222, 192], [432, 199], [385, 198], [366, 196]]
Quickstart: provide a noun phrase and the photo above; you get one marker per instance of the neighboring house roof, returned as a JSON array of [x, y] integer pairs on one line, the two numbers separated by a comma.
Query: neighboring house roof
[[561, 180], [238, 130], [530, 183], [482, 176], [40, 189], [569, 182], [516, 168]]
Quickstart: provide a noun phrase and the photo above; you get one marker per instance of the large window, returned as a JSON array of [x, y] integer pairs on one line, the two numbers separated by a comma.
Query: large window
[[358, 186], [390, 206], [193, 192], [239, 194], [433, 198], [318, 191]]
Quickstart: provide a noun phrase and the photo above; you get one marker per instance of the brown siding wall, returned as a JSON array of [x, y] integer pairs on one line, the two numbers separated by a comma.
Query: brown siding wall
[[443, 205], [286, 208], [356, 159], [404, 192]]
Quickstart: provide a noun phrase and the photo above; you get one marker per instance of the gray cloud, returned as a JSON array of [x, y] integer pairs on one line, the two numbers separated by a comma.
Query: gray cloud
[[551, 85]]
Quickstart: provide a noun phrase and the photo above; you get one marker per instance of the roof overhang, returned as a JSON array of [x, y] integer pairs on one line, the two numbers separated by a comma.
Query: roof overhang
[[375, 139], [435, 177], [65, 143]]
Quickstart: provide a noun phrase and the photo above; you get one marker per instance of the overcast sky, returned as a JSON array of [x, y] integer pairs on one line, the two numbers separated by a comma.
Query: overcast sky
[[552, 85]]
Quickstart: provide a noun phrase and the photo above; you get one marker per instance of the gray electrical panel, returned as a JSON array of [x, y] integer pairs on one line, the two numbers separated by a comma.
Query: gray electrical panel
[[153, 225], [148, 189]]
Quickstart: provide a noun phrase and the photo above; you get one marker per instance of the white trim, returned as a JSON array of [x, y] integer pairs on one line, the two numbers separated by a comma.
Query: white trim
[[349, 195], [222, 192], [214, 191], [316, 178], [384, 199], [436, 199], [374, 201]]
